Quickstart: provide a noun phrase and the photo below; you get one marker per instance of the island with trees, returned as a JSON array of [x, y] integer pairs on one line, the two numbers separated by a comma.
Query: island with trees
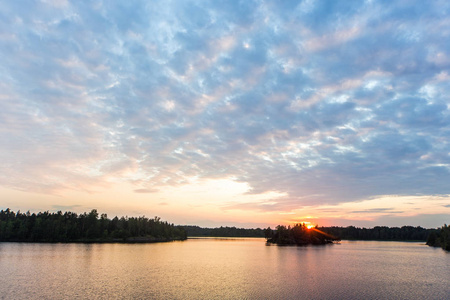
[[299, 234], [440, 238], [86, 227]]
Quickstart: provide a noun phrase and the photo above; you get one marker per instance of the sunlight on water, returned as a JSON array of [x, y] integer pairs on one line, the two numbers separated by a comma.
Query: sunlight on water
[[224, 269]]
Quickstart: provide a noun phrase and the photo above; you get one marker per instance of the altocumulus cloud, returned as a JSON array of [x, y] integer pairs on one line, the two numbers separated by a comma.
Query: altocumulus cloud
[[321, 101]]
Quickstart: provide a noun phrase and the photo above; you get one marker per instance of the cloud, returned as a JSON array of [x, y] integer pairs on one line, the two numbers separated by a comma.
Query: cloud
[[424, 220], [65, 207], [374, 210], [144, 191], [322, 102]]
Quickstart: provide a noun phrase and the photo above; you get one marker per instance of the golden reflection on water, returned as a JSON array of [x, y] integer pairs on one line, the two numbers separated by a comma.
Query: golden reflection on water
[[223, 269]]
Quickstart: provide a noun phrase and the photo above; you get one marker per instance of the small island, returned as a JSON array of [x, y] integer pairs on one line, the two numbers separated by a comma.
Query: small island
[[300, 235], [440, 238], [91, 227]]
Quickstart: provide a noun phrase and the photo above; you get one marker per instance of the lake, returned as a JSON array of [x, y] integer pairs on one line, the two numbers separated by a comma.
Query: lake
[[224, 269]]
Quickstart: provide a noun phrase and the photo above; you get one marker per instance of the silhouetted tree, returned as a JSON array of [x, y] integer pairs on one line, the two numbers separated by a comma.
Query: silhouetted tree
[[440, 238], [268, 233]]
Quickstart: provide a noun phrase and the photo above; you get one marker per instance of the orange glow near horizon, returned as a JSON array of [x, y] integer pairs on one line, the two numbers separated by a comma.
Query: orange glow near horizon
[[191, 205]]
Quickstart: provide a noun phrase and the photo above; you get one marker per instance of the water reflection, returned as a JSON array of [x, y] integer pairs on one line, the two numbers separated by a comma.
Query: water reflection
[[223, 269]]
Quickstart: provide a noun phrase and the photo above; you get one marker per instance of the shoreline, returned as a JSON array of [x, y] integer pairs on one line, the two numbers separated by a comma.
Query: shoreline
[[134, 240]]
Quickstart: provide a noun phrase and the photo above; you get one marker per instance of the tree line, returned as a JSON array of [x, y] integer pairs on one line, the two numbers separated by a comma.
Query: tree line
[[440, 238], [86, 227], [95, 227], [196, 231], [299, 234], [383, 233]]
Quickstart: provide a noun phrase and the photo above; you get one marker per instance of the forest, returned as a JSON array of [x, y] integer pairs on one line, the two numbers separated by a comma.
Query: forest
[[299, 235], [382, 233], [196, 231], [86, 227], [95, 227], [440, 238]]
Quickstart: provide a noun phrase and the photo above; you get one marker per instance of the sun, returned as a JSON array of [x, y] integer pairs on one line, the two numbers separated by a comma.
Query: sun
[[307, 225]]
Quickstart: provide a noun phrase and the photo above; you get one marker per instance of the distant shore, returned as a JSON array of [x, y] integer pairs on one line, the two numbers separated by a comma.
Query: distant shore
[[131, 240]]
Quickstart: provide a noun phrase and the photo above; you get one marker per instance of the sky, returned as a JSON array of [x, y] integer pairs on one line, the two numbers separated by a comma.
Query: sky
[[234, 113]]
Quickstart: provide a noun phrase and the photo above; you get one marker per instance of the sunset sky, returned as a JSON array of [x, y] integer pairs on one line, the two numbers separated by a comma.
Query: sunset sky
[[233, 113]]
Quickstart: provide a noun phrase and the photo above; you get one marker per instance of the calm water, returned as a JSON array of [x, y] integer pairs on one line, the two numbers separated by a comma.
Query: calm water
[[224, 269]]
